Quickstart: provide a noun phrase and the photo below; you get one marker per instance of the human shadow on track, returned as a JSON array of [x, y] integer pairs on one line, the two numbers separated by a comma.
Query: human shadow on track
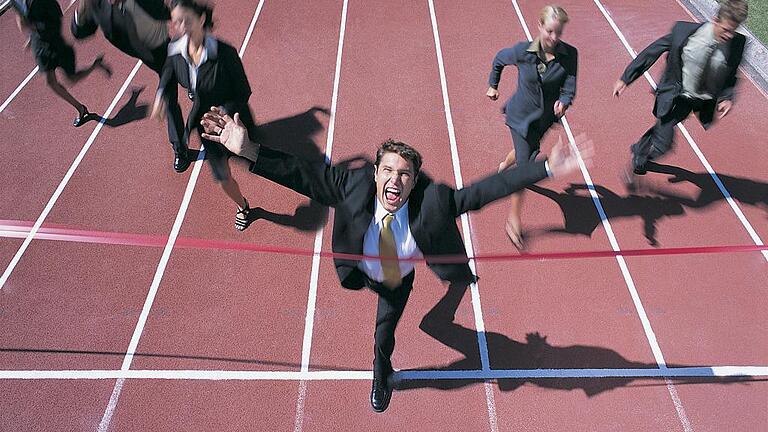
[[130, 112], [581, 217], [535, 353], [48, 352], [294, 135], [743, 190]]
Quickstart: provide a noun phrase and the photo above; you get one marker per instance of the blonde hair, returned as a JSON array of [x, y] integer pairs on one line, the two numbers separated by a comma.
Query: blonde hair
[[555, 12]]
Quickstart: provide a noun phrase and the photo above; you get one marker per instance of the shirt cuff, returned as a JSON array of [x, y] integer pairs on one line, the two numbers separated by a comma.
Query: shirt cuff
[[546, 167]]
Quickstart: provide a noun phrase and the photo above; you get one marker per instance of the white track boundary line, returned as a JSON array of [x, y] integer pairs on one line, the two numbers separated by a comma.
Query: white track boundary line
[[18, 89], [731, 202], [309, 319], [722, 371], [649, 333], [312, 298], [75, 164], [468, 245], [159, 273], [106, 419]]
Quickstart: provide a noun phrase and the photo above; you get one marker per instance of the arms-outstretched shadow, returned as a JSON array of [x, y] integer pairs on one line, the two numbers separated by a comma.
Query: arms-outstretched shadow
[[580, 214], [534, 353], [743, 190], [294, 135]]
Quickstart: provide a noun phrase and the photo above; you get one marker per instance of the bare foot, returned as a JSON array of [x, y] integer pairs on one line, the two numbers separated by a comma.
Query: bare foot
[[515, 235]]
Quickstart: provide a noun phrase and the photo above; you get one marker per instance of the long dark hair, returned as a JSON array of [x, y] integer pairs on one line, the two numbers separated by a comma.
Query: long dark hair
[[198, 8]]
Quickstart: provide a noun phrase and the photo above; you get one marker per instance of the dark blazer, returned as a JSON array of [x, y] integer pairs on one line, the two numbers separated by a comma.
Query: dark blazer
[[432, 207], [120, 29], [534, 99], [221, 81], [671, 85]]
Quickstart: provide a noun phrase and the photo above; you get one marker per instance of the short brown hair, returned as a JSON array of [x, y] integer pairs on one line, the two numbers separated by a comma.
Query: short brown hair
[[732, 10], [403, 150]]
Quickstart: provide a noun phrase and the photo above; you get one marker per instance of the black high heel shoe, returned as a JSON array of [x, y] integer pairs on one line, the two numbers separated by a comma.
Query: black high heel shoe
[[84, 117]]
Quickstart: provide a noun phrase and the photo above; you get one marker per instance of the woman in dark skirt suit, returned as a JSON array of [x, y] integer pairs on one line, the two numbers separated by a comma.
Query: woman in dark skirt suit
[[546, 86], [40, 20], [213, 75]]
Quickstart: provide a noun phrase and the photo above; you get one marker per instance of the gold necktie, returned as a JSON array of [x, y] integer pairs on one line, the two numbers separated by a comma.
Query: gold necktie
[[387, 249]]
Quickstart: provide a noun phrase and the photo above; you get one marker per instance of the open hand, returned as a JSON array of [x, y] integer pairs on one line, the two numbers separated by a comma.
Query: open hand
[[225, 130], [564, 160]]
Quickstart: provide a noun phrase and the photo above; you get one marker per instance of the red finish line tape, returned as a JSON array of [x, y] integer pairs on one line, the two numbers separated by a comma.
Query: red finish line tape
[[17, 229]]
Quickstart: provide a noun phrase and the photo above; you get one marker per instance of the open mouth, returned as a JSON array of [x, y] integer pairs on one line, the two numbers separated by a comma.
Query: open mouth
[[392, 195]]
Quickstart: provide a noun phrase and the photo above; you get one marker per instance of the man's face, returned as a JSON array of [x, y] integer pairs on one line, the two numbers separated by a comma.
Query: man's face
[[395, 179], [724, 29]]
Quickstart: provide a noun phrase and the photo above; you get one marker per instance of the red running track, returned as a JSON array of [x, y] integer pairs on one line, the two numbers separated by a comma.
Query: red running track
[[76, 306]]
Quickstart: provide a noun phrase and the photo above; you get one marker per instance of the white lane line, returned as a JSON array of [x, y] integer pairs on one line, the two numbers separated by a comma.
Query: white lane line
[[106, 419], [75, 164], [159, 272], [474, 289], [309, 319], [731, 202], [714, 371], [250, 28], [649, 333], [18, 89], [312, 297]]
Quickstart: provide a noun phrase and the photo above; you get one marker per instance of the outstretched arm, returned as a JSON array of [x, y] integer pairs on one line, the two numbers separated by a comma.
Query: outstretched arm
[[643, 62], [562, 161], [318, 181]]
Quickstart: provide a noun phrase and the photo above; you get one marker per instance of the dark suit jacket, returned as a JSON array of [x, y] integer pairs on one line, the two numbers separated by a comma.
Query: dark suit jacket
[[534, 100], [120, 29], [221, 81], [432, 207], [671, 85]]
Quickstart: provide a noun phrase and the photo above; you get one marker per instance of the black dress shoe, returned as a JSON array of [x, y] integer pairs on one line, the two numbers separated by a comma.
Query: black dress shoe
[[181, 163], [381, 392]]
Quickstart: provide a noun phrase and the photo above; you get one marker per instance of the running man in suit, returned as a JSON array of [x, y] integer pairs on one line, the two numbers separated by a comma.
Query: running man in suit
[[700, 76], [389, 211]]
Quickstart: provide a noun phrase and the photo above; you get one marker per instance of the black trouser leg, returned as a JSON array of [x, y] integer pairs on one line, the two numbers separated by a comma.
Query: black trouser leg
[[390, 309], [175, 121], [658, 139]]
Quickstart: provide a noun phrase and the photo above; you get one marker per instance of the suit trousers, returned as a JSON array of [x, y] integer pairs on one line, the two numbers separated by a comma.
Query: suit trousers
[[388, 312], [658, 140]]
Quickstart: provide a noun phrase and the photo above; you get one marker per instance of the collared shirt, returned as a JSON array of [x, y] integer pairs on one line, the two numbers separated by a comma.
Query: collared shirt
[[535, 48], [180, 47], [405, 244], [697, 63]]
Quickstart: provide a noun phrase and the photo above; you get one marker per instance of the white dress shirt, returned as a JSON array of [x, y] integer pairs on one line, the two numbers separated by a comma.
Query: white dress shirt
[[697, 63], [405, 244], [180, 47]]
